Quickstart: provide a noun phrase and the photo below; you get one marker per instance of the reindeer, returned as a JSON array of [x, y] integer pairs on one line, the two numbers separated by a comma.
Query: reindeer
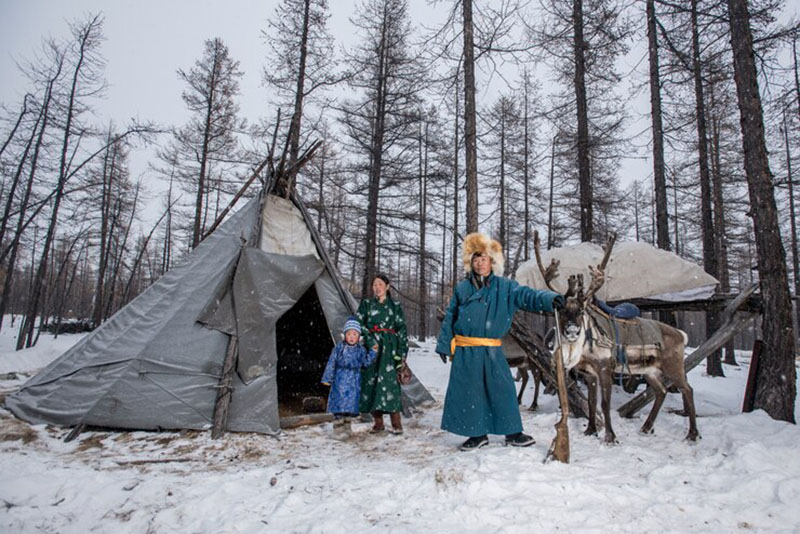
[[524, 364], [584, 348]]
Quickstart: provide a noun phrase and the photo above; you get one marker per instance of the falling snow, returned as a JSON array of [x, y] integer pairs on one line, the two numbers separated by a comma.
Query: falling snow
[[743, 476]]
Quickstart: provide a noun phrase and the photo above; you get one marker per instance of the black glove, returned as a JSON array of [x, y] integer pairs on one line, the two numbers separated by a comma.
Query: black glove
[[558, 303], [442, 356]]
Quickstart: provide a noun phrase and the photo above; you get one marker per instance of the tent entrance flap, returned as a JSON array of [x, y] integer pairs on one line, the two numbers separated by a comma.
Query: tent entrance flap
[[304, 342]]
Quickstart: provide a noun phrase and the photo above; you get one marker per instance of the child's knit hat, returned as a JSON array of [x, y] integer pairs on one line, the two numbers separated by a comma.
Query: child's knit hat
[[352, 324]]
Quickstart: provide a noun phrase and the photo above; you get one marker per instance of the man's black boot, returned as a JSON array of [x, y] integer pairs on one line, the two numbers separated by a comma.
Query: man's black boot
[[519, 440], [474, 443]]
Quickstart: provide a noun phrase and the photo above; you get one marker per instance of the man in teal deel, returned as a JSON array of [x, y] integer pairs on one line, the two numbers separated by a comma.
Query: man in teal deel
[[481, 397]]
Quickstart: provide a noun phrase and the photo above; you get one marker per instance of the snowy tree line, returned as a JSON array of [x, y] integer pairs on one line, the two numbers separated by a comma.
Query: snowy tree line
[[410, 161]]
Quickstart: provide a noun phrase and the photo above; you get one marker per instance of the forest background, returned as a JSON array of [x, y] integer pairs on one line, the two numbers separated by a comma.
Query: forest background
[[127, 129]]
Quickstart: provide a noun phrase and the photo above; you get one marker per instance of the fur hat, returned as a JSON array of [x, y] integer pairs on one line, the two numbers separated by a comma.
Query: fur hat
[[477, 243], [351, 324]]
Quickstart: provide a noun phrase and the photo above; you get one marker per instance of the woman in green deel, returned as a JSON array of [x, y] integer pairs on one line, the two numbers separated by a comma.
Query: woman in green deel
[[384, 326]]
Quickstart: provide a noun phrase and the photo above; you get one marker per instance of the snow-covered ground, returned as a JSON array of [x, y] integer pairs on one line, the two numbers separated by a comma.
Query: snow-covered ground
[[744, 475]]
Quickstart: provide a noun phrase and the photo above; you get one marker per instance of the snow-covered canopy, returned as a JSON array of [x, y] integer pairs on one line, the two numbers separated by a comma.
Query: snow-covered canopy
[[634, 270]]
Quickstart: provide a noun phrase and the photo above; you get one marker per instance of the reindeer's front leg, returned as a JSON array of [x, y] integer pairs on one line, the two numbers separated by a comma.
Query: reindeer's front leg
[[591, 387], [606, 380], [523, 373], [537, 379]]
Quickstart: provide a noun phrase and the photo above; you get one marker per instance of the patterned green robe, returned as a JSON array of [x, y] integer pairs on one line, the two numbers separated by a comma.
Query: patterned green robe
[[380, 390]]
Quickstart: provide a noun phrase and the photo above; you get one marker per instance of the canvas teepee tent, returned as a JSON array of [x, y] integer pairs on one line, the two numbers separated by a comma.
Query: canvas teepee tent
[[261, 278]]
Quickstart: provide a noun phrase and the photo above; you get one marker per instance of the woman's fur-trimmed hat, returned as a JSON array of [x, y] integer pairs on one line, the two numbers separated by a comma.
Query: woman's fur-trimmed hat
[[477, 243]]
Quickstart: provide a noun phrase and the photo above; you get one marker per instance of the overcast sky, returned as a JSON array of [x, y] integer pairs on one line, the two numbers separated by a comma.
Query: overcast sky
[[148, 40]]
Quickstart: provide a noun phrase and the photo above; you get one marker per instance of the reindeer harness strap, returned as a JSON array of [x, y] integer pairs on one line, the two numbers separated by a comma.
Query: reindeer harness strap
[[466, 341], [622, 356]]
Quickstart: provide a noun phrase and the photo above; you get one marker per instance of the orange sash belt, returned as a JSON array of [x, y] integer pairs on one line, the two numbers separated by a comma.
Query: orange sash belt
[[466, 341]]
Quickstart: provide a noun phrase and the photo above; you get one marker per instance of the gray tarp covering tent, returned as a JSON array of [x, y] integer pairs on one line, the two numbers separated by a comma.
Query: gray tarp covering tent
[[153, 365], [634, 270]]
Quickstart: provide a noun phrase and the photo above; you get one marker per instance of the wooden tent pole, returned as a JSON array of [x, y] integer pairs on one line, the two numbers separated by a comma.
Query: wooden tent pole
[[324, 254], [236, 197], [225, 389]]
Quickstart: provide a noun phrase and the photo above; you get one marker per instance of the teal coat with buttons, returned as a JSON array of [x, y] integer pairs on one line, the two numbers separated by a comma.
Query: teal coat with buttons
[[481, 397]]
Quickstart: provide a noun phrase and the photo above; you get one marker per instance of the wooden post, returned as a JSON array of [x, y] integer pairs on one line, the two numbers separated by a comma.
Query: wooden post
[[303, 420], [225, 389], [752, 377], [76, 430]]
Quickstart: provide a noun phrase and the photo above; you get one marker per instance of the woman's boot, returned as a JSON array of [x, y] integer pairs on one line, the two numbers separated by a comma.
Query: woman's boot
[[340, 429], [397, 423], [377, 425]]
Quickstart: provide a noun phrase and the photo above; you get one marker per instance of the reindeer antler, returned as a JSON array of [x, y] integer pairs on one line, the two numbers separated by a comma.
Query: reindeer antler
[[598, 273], [552, 270], [574, 285]]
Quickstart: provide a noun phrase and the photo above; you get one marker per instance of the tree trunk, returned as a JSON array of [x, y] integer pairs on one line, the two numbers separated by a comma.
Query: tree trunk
[[792, 218], [443, 271], [776, 389], [68, 290], [659, 167], [37, 136], [713, 364], [166, 253], [116, 271], [376, 155], [791, 191], [137, 262], [582, 110], [675, 213], [470, 119], [636, 210], [294, 125], [197, 231], [526, 236], [423, 208], [796, 73], [323, 157], [20, 167], [503, 241], [659, 175], [13, 132], [551, 197], [25, 337], [14, 247], [720, 233], [105, 212], [456, 270], [62, 284]]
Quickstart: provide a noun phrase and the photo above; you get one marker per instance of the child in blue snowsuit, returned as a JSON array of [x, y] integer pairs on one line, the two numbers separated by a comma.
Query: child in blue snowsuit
[[343, 375]]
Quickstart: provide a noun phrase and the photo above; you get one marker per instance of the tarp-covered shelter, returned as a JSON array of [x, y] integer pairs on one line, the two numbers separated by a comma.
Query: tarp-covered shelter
[[635, 270], [157, 363]]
